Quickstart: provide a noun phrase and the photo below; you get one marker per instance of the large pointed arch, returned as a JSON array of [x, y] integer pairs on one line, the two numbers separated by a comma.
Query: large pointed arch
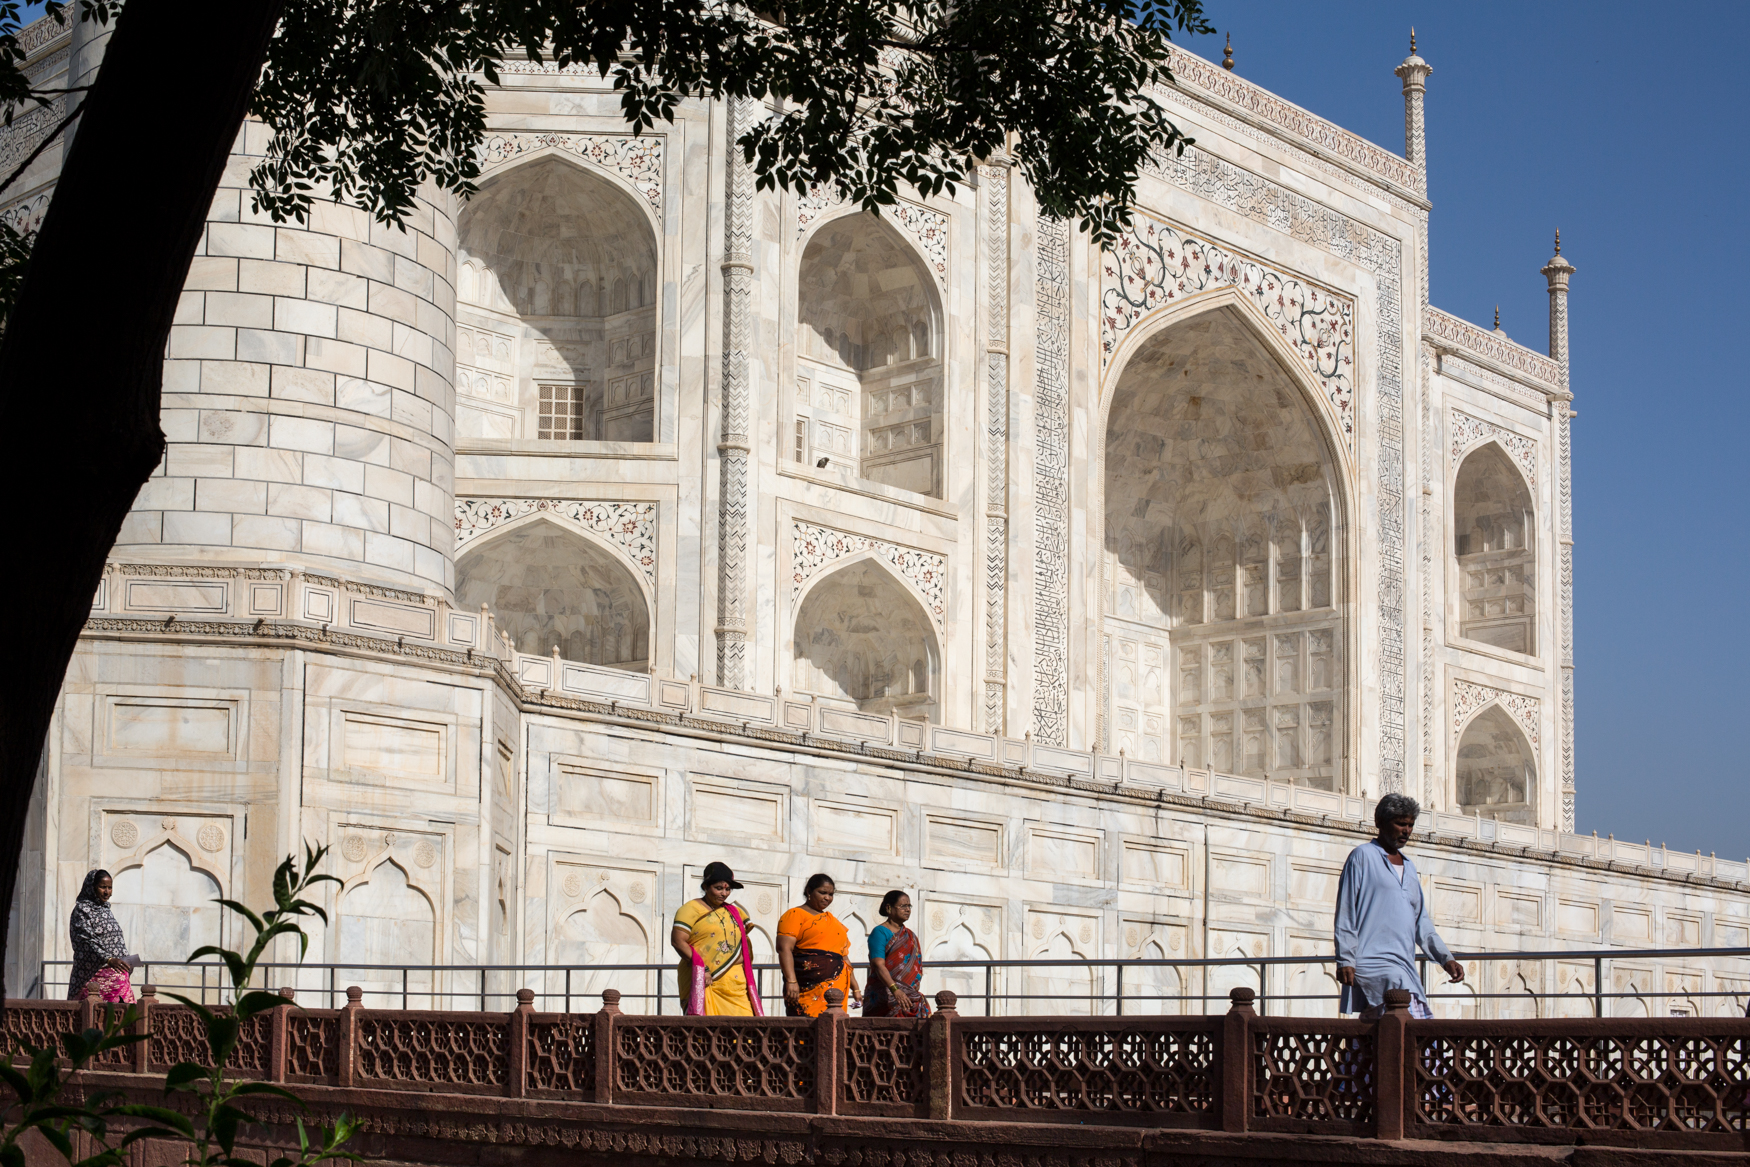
[[559, 263], [859, 632], [552, 584], [1290, 549], [1494, 767], [1493, 548], [867, 391]]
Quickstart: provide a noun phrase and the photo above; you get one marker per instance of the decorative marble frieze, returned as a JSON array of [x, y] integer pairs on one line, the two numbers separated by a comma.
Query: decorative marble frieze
[[628, 526], [28, 129], [636, 159], [815, 548], [1449, 331], [1155, 264], [1469, 698], [1051, 567], [927, 228], [1467, 431], [1199, 76]]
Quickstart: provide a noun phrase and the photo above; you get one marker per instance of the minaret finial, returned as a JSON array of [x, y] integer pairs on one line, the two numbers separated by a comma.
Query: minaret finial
[[1412, 40], [1497, 318], [1227, 60], [1558, 240]]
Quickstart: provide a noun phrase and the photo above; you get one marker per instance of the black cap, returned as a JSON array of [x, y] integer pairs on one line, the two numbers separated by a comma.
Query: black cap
[[718, 873]]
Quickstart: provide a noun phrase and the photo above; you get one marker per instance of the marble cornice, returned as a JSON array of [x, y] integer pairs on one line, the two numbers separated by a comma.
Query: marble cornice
[[529, 700], [1258, 108], [1506, 357]]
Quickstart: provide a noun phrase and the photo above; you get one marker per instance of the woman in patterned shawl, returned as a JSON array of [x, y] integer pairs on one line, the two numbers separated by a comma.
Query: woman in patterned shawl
[[896, 964], [814, 951], [710, 933], [99, 950]]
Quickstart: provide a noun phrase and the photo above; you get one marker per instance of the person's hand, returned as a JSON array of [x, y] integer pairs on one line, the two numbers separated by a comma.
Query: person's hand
[[1345, 976], [1454, 970], [858, 994], [118, 964], [792, 993]]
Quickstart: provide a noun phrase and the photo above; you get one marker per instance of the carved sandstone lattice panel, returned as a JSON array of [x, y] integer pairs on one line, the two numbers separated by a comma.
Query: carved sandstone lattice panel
[[36, 1023], [1153, 1066], [886, 1067], [311, 1049], [771, 1060], [1315, 1077], [1693, 1083], [561, 1054], [410, 1048], [1156, 264], [178, 1036]]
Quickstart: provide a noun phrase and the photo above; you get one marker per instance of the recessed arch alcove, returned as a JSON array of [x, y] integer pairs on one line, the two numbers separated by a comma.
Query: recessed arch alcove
[[1223, 556], [1495, 548], [1496, 771], [549, 588], [556, 289], [861, 636], [868, 393]]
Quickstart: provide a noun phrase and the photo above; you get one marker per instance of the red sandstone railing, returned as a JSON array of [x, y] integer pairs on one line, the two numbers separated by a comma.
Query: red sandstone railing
[[1673, 1083]]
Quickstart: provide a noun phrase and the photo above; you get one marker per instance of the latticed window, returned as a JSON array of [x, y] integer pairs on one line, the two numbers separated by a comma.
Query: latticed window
[[562, 412]]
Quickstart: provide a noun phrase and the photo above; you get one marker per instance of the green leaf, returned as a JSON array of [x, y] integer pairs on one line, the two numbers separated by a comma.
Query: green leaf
[[12, 1155], [256, 1002], [17, 1083], [158, 1114], [58, 1140], [246, 1088], [223, 1124], [183, 1074], [243, 911], [221, 1037]]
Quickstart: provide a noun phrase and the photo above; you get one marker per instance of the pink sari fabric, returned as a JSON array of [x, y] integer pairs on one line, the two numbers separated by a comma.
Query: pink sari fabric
[[112, 984], [702, 976]]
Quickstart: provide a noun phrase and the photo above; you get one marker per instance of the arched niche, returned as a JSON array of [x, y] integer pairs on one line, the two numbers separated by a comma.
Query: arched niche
[[861, 636], [869, 388], [556, 308], [1494, 545], [1496, 773], [383, 919], [548, 587], [1222, 556], [600, 933], [165, 906]]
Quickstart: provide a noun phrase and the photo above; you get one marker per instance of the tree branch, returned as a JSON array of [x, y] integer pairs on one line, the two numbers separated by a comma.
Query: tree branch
[[42, 145]]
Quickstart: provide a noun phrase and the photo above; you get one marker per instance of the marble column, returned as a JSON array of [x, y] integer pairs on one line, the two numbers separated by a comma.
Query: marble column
[[734, 518], [1557, 271], [994, 182]]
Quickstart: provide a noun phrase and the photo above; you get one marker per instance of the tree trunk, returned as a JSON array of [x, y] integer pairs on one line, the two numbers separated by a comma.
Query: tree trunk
[[82, 359]]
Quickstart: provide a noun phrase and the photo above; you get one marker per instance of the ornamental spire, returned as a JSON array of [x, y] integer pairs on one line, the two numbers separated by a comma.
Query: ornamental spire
[[1414, 72]]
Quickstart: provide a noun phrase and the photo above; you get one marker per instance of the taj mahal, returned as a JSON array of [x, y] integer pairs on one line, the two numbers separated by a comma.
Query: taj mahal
[[624, 518]]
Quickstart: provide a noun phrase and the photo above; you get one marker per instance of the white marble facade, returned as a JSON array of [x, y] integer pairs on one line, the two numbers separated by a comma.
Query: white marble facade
[[624, 519]]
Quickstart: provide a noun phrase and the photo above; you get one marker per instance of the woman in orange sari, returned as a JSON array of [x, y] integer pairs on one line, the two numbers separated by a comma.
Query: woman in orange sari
[[815, 952]]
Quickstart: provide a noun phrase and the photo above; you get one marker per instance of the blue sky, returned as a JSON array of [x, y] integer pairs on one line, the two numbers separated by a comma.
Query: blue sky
[[1621, 131], [1610, 121]]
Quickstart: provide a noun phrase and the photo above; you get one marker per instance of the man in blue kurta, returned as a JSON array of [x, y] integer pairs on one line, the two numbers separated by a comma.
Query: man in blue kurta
[[1382, 917]]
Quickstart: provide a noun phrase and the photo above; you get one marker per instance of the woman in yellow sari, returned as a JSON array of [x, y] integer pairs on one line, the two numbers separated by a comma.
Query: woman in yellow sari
[[815, 952], [711, 935]]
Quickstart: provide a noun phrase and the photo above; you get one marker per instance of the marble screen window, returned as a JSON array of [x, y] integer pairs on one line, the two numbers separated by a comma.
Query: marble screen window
[[1226, 642]]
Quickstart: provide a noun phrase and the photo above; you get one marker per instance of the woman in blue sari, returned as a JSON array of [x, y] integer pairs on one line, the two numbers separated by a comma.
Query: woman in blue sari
[[896, 965]]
